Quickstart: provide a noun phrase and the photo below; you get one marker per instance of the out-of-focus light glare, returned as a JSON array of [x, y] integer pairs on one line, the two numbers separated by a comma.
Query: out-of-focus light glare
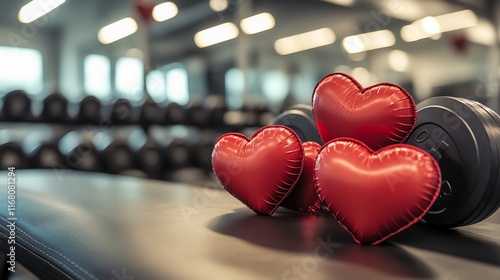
[[117, 30], [218, 5], [36, 9], [164, 11], [483, 33], [431, 26], [341, 2], [369, 41], [304, 41], [216, 34], [399, 60], [258, 23], [361, 75]]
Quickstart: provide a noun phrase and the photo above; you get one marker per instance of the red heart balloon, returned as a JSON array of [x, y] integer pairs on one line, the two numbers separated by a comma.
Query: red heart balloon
[[375, 195], [304, 197], [378, 115], [145, 9], [260, 171]]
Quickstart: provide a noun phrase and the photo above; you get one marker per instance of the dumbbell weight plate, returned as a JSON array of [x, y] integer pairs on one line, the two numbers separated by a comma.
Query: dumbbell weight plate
[[301, 120], [449, 125], [492, 197]]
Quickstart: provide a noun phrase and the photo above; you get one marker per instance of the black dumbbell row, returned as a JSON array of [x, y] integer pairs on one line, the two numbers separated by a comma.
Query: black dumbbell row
[[179, 153], [17, 106]]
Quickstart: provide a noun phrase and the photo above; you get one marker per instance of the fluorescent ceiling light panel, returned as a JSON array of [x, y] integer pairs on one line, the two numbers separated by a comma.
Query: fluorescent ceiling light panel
[[483, 33], [341, 2], [164, 11], [305, 41], [369, 41], [216, 34], [117, 30], [258, 23], [36, 9], [431, 26]]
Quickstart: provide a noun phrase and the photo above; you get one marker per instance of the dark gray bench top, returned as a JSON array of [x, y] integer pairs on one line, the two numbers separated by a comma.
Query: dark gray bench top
[[74, 225]]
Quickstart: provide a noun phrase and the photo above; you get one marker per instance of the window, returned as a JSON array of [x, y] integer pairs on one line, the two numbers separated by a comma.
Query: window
[[177, 86], [97, 76], [234, 82], [21, 68], [155, 85], [275, 86], [129, 78]]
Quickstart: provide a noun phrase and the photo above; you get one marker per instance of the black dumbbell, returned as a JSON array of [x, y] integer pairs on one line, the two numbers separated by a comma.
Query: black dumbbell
[[121, 112], [464, 137], [147, 153], [78, 151], [201, 147], [175, 114], [88, 110], [16, 106], [11, 152], [53, 108], [300, 119], [216, 108], [251, 116], [41, 149], [149, 113], [174, 148], [113, 151], [197, 114]]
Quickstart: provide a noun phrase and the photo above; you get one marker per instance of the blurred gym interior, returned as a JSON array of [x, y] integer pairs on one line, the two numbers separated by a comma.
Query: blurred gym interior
[[140, 91]]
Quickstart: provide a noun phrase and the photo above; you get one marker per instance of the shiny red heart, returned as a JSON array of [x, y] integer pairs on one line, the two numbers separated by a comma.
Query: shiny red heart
[[261, 171], [375, 195], [378, 115], [304, 197]]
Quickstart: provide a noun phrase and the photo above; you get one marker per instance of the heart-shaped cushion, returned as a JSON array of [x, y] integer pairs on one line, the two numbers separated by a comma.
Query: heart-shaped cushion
[[379, 115], [375, 195], [261, 171], [304, 197]]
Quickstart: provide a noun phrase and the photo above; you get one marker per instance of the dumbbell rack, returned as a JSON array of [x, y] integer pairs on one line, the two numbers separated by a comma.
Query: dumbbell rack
[[199, 120]]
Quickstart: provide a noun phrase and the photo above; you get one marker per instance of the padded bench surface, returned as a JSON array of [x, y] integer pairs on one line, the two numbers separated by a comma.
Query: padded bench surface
[[94, 226]]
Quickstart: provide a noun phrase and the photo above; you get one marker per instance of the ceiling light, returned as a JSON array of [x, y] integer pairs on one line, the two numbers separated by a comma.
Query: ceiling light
[[216, 34], [218, 5], [257, 23], [431, 26], [36, 9], [405, 10], [457, 20], [483, 33], [369, 41], [164, 11], [399, 60], [341, 2], [304, 41], [117, 30]]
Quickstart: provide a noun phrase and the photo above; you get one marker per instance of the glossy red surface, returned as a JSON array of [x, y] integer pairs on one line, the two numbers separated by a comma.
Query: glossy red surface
[[375, 195], [304, 197], [378, 115], [261, 171]]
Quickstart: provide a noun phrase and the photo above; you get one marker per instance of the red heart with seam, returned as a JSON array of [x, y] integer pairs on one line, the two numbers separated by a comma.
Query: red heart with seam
[[375, 195], [379, 115], [304, 197], [261, 171]]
